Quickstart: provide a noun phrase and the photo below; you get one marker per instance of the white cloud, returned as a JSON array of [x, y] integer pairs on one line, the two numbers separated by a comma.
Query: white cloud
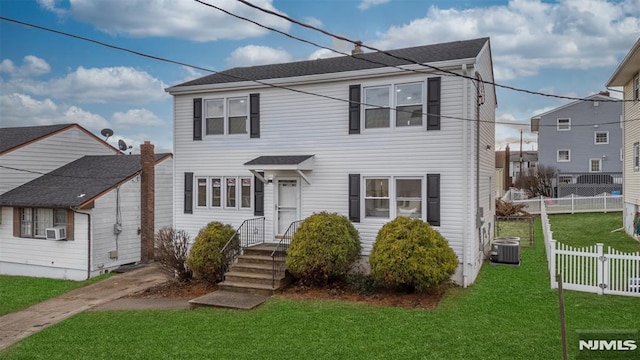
[[343, 46], [95, 85], [529, 35], [136, 117], [310, 20], [177, 19], [257, 55], [21, 110], [365, 4], [31, 66]]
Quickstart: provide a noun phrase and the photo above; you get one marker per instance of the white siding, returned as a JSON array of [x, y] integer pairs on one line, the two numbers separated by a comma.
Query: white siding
[[631, 184], [43, 258], [164, 194], [104, 216], [46, 155], [298, 124]]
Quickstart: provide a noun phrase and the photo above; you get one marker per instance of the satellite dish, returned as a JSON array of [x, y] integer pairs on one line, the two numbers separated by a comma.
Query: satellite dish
[[107, 133], [122, 145]]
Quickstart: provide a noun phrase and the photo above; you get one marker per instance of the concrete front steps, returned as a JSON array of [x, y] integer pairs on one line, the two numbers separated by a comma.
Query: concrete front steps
[[253, 272]]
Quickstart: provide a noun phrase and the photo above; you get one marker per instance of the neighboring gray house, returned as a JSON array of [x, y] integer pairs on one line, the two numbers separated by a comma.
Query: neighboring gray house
[[376, 142], [583, 141]]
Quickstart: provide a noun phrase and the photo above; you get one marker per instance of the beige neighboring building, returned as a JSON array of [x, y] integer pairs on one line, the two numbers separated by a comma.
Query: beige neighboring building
[[627, 75]]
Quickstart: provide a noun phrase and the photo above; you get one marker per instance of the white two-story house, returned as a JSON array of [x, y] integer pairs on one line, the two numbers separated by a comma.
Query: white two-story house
[[372, 136], [627, 75]]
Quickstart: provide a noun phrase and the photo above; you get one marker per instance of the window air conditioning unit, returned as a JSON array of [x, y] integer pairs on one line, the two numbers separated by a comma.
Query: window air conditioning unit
[[505, 251], [56, 233]]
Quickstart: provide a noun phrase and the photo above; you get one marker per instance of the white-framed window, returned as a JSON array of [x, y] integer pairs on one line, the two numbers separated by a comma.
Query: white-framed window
[[216, 192], [595, 165], [564, 155], [407, 99], [392, 196], [409, 197], [230, 192], [34, 221], [376, 198], [245, 193], [565, 179], [201, 191], [226, 115], [636, 87], [621, 154], [636, 157], [601, 137], [563, 124]]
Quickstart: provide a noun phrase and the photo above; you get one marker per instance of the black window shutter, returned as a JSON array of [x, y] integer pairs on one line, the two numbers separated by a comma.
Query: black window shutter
[[197, 119], [354, 109], [254, 115], [354, 197], [188, 193], [433, 103], [433, 199], [258, 196]]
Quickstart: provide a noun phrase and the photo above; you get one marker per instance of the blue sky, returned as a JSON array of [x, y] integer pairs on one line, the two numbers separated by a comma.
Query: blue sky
[[568, 47]]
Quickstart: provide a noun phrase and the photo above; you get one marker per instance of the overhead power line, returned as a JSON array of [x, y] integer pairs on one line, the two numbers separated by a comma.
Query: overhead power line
[[452, 73], [158, 58]]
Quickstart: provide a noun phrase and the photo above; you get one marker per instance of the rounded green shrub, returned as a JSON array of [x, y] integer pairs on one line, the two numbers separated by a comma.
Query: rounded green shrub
[[410, 254], [323, 248], [205, 258]]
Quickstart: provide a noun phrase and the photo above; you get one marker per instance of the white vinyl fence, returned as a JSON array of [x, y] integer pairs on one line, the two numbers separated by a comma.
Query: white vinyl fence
[[591, 269], [574, 204]]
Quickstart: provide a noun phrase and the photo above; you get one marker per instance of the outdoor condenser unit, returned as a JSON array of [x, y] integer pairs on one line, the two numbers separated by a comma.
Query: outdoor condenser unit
[[56, 233], [505, 251]]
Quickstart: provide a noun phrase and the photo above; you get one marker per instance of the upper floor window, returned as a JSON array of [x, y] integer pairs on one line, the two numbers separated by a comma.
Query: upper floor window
[[226, 116], [564, 124], [636, 87], [601, 137], [564, 155], [407, 99], [595, 165]]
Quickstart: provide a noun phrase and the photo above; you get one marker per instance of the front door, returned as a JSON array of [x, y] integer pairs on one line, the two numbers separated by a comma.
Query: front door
[[287, 204]]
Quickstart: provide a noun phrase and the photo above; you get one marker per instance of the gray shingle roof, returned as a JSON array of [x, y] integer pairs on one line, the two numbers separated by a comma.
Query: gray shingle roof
[[63, 187], [12, 137], [278, 160], [422, 54]]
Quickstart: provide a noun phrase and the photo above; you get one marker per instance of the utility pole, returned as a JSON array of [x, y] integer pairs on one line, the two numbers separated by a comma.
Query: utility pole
[[521, 170]]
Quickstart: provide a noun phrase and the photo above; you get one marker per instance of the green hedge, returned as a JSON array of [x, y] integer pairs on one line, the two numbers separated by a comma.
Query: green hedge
[[205, 258]]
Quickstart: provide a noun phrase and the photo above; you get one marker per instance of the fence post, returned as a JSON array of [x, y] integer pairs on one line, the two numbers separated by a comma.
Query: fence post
[[600, 268], [572, 202], [552, 264], [605, 203]]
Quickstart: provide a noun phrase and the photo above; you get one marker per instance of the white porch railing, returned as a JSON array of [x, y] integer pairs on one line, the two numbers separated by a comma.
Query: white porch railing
[[574, 204], [590, 269]]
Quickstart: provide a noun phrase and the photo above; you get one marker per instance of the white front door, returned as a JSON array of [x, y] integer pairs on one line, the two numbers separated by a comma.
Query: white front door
[[287, 204]]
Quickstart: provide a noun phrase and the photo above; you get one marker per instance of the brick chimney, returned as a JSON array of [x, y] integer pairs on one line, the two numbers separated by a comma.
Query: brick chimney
[[357, 50], [147, 201], [604, 93]]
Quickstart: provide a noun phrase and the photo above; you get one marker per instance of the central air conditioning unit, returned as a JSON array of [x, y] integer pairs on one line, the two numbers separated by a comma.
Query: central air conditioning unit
[[56, 233], [505, 251]]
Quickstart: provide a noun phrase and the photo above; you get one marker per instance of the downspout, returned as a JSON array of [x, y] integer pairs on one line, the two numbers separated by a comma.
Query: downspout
[[478, 217], [88, 241], [465, 250]]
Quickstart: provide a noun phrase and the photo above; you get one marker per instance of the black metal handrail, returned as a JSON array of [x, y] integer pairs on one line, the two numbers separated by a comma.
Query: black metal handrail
[[280, 252], [250, 232]]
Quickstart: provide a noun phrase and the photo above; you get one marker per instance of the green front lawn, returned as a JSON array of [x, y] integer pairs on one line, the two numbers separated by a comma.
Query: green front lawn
[[509, 313], [18, 292]]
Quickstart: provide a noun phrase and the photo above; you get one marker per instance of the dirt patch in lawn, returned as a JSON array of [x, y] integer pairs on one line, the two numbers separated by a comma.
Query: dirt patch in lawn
[[176, 290], [381, 297]]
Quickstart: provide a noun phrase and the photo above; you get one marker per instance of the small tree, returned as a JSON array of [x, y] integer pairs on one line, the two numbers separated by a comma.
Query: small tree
[[172, 251], [537, 181]]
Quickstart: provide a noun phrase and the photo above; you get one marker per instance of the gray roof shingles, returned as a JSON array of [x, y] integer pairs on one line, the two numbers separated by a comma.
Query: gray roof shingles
[[11, 137], [421, 54], [63, 187], [278, 160]]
